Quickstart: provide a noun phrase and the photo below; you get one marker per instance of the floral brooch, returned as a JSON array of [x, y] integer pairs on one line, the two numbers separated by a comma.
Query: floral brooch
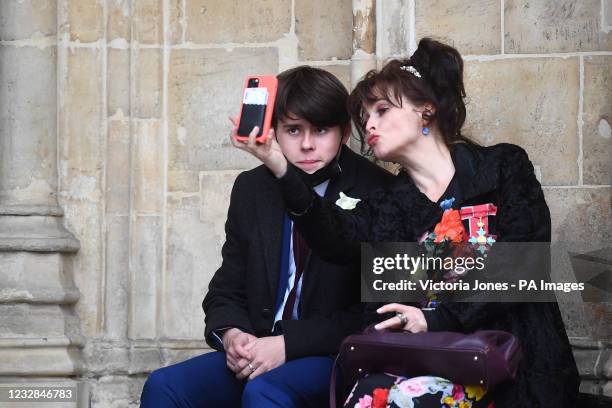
[[347, 203]]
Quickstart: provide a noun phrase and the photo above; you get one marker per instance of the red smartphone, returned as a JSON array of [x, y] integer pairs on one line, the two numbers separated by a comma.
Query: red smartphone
[[257, 106]]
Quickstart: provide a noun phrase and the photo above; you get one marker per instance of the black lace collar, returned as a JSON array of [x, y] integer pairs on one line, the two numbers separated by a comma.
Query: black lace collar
[[474, 175]]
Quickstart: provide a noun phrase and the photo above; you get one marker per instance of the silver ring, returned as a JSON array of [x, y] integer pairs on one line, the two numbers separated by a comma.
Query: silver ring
[[403, 319], [251, 367]]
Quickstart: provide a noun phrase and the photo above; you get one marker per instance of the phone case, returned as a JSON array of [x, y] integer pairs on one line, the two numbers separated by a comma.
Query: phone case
[[257, 107]]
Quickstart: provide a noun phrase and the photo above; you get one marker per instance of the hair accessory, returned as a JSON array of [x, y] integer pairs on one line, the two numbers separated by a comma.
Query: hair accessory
[[425, 131], [411, 69]]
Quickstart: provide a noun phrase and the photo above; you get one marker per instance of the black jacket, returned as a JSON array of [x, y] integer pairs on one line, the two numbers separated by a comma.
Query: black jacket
[[502, 175], [242, 291]]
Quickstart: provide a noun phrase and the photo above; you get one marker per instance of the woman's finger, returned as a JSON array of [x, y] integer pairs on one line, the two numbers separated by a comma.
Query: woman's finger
[[391, 307], [234, 120], [389, 323]]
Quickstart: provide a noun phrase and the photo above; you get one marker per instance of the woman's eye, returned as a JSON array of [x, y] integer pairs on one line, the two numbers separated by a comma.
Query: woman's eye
[[321, 130], [293, 131], [381, 111]]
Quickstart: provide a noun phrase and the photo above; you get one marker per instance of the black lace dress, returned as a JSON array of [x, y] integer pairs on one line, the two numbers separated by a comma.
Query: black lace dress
[[503, 176]]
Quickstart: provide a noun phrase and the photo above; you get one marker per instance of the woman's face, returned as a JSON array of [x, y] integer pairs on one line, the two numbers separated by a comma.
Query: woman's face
[[391, 130]]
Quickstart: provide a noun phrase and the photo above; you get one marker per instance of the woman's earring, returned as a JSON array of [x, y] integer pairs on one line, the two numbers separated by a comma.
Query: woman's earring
[[425, 131]]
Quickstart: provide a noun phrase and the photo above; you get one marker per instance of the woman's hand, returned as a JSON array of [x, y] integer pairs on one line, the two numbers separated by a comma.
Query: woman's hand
[[269, 152], [407, 318]]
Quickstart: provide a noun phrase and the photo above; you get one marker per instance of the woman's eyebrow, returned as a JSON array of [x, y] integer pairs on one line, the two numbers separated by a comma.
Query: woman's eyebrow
[[373, 105], [364, 116], [379, 101]]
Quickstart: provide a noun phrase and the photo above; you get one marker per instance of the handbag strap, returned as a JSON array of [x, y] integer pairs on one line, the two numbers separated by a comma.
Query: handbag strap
[[332, 383]]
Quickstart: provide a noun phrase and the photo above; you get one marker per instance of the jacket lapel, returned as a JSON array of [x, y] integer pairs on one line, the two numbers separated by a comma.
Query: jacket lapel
[[474, 175], [270, 212], [344, 182]]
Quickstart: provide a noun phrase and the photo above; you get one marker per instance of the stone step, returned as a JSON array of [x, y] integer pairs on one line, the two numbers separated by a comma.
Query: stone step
[[23, 320], [39, 339], [37, 361], [33, 277], [35, 233]]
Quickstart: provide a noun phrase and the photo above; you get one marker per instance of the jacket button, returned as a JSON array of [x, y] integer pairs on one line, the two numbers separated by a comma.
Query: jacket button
[[266, 312]]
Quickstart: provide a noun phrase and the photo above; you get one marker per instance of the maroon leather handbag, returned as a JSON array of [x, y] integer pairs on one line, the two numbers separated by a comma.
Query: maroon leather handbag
[[485, 357]]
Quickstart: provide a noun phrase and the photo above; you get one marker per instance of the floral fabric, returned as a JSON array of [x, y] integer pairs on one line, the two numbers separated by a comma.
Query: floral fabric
[[390, 391]]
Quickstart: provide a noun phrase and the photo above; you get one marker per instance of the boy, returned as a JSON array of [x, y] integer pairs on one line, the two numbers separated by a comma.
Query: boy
[[274, 311]]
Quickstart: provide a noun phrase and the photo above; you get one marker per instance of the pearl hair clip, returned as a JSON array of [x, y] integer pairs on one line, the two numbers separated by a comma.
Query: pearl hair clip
[[411, 69]]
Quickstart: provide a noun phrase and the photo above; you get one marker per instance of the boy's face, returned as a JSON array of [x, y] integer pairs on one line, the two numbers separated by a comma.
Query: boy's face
[[307, 146]]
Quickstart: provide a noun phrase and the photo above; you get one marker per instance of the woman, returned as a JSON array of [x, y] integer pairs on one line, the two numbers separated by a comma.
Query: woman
[[411, 112]]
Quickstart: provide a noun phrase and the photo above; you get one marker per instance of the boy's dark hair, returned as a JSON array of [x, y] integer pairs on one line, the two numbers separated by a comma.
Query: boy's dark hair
[[312, 94], [440, 83]]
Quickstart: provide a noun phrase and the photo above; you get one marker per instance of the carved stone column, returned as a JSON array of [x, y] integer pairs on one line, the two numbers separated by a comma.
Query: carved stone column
[[364, 42], [364, 38], [39, 332]]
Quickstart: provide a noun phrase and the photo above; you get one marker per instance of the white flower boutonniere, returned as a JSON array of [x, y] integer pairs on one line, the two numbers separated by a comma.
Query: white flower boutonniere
[[347, 203]]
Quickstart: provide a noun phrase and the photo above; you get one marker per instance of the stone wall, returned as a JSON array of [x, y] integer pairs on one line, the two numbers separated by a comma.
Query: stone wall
[[144, 164]]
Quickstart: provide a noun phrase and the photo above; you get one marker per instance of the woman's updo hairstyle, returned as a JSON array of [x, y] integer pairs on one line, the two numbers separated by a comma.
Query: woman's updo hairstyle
[[434, 74]]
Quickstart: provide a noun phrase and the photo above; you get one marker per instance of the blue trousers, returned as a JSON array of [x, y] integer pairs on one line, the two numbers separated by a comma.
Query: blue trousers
[[205, 381]]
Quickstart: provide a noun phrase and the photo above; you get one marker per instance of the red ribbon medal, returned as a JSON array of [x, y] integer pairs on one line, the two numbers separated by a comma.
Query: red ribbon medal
[[478, 219]]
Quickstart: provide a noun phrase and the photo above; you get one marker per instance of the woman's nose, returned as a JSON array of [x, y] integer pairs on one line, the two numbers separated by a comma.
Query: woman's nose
[[370, 125]]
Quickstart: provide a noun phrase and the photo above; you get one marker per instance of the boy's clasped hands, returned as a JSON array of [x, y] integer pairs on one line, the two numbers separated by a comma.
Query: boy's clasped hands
[[249, 356]]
